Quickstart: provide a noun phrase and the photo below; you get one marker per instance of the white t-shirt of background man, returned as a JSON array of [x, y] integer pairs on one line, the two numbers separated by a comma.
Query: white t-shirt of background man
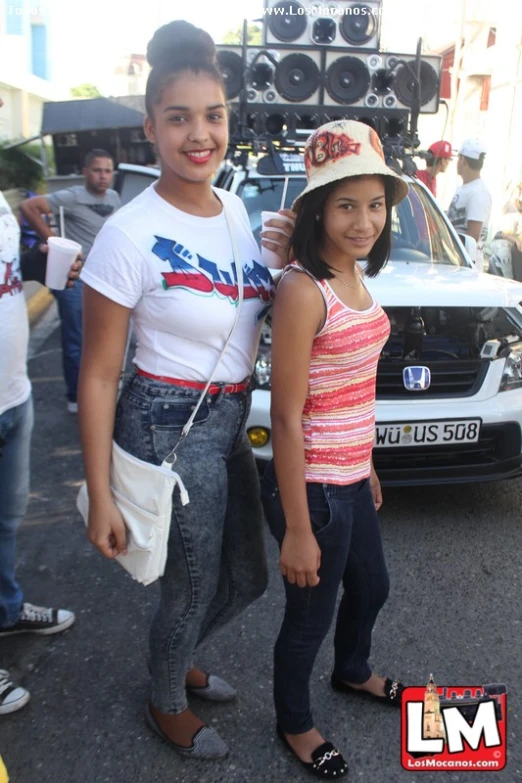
[[471, 202], [175, 271], [14, 325]]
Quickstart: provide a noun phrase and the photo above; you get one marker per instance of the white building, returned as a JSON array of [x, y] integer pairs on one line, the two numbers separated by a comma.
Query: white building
[[486, 98], [26, 79]]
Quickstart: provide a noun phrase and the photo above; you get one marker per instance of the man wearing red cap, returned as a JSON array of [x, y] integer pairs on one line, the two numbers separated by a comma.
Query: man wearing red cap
[[440, 156]]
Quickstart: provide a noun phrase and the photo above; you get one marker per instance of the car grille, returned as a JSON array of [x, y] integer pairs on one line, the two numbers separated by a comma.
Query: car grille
[[497, 454], [457, 378]]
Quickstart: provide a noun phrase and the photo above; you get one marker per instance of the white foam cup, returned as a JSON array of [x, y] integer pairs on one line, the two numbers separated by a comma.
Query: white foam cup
[[60, 257], [268, 257]]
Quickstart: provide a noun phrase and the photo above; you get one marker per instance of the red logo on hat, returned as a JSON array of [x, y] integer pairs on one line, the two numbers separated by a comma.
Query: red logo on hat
[[376, 143], [330, 146]]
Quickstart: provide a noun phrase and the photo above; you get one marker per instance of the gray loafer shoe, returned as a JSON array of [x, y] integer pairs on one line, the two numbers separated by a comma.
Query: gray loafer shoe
[[206, 742], [216, 689]]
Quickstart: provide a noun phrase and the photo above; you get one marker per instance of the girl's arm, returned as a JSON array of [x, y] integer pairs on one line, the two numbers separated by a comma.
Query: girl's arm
[[105, 327], [298, 315]]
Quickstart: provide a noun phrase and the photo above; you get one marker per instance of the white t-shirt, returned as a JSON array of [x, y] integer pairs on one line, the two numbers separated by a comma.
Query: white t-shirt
[[471, 202], [14, 325], [175, 271]]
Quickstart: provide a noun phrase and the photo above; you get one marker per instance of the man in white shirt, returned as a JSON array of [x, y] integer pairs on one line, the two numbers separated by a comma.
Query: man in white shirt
[[470, 208], [16, 421]]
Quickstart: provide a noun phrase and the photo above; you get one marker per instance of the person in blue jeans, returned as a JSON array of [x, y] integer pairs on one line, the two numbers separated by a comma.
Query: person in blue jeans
[[16, 424], [166, 260], [85, 209], [321, 493]]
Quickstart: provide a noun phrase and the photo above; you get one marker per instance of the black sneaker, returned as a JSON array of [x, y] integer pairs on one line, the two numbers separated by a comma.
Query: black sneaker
[[12, 697], [40, 619]]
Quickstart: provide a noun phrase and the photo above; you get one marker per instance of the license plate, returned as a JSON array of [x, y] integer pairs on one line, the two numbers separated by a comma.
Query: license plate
[[427, 433]]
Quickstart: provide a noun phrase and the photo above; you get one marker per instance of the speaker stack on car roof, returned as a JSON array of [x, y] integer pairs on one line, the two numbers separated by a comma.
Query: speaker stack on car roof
[[323, 22], [321, 60]]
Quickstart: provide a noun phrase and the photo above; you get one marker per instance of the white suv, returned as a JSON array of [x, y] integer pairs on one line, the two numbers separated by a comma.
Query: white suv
[[449, 381]]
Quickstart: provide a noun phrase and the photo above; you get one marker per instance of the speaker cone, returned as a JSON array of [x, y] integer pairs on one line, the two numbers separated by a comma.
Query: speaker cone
[[289, 23], [389, 101], [347, 80], [275, 124], [297, 77], [260, 76], [307, 121], [230, 65], [359, 26], [394, 126], [383, 81], [405, 83], [323, 31]]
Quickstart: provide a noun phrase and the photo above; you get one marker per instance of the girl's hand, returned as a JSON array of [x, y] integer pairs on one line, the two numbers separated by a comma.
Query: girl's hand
[[277, 241], [375, 486], [107, 529], [74, 271], [300, 558]]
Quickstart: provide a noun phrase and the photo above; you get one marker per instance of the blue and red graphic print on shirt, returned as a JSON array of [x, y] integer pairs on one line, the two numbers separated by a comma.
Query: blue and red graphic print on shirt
[[203, 276]]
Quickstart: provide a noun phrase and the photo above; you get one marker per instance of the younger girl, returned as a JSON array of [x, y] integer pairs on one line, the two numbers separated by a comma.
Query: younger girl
[[166, 259], [321, 499]]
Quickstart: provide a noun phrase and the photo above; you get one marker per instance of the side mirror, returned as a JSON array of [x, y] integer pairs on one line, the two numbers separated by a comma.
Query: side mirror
[[470, 246]]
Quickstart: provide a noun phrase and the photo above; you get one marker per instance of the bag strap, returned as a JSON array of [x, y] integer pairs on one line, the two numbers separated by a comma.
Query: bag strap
[[170, 459]]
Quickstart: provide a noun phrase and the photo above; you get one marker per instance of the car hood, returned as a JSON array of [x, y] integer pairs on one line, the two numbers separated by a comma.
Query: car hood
[[403, 284]]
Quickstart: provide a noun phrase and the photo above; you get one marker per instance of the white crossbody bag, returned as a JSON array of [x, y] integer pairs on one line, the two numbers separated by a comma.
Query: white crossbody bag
[[143, 492]]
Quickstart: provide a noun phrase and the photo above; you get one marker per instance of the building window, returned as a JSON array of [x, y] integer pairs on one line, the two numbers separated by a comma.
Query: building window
[[14, 12], [39, 50], [484, 97]]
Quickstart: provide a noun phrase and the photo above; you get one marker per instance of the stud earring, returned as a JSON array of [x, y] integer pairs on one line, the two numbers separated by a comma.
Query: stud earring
[[317, 218]]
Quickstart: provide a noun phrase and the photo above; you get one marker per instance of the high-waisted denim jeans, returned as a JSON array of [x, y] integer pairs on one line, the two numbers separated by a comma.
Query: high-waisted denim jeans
[[216, 562], [16, 425], [346, 527]]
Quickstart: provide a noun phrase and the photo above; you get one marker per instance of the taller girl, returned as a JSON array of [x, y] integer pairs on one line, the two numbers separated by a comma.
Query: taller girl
[[166, 259]]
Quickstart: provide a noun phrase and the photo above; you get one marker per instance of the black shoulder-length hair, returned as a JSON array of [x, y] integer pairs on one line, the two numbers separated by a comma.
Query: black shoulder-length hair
[[308, 233]]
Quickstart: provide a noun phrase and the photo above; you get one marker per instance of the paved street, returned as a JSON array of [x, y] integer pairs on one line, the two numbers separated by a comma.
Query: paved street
[[454, 556]]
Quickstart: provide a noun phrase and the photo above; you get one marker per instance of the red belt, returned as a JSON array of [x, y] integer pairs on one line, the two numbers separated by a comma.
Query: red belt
[[214, 388]]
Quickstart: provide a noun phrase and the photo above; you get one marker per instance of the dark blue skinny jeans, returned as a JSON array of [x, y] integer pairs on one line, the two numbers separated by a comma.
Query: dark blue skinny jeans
[[346, 527]]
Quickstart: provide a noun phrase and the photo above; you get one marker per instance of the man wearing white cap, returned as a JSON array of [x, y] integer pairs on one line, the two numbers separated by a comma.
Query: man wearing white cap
[[470, 208]]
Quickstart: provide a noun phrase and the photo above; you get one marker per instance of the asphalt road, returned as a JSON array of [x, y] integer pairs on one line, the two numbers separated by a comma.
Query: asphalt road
[[454, 556]]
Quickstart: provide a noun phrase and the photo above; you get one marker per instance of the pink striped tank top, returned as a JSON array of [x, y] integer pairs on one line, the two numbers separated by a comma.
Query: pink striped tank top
[[339, 412]]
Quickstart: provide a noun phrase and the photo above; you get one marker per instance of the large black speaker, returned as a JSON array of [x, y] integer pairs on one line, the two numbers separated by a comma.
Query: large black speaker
[[378, 81], [284, 121], [230, 63], [272, 75], [348, 23], [430, 75], [328, 77]]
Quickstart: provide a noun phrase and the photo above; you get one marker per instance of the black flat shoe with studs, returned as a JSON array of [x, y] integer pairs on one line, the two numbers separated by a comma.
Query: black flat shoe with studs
[[393, 690], [327, 762]]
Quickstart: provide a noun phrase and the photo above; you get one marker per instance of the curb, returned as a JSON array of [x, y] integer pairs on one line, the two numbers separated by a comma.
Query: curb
[[38, 304]]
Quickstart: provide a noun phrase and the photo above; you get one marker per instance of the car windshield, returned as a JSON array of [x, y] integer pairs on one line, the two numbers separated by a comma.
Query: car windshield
[[419, 232], [266, 194]]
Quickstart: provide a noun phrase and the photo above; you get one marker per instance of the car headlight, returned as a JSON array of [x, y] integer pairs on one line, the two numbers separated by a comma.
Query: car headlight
[[512, 375], [263, 368]]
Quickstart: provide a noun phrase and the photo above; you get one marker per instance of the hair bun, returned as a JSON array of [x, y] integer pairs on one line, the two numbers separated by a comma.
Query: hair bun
[[179, 42]]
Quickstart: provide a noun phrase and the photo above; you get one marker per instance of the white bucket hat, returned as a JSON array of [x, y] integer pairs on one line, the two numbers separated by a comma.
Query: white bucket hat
[[346, 148]]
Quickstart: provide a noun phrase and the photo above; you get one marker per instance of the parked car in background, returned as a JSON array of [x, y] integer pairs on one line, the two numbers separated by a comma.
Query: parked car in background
[[449, 381]]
